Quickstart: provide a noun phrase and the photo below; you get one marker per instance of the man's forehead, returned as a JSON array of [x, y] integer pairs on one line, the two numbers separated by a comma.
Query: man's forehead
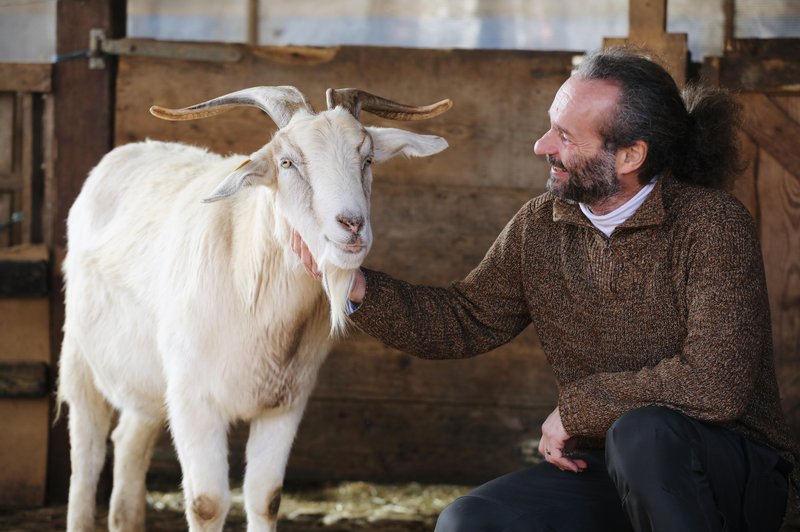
[[584, 96], [581, 103]]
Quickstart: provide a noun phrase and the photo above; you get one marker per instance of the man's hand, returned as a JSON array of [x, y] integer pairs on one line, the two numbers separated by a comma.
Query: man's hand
[[555, 444], [307, 259]]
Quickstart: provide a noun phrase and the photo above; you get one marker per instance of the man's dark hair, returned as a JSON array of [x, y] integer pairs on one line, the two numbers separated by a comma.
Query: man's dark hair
[[692, 135]]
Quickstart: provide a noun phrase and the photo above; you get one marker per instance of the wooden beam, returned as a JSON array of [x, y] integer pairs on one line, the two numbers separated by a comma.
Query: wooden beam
[[26, 77], [82, 126], [252, 21], [761, 65], [647, 25], [772, 129], [24, 271], [23, 380]]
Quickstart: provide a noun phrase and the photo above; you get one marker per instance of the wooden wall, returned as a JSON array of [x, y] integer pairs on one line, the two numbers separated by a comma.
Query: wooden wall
[[24, 307], [376, 413], [766, 75]]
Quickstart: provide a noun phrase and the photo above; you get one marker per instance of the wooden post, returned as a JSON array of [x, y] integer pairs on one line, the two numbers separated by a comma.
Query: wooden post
[[252, 22], [83, 132], [647, 24]]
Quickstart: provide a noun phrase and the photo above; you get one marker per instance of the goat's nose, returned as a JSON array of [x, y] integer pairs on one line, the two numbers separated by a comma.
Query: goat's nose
[[351, 223]]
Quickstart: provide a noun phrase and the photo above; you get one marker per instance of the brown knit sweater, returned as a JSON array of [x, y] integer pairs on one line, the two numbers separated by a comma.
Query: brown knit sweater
[[671, 309]]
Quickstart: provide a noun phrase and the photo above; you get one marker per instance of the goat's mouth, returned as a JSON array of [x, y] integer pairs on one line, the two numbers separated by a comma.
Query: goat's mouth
[[354, 246]]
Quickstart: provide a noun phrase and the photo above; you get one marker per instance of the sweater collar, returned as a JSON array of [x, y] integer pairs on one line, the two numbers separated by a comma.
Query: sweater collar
[[651, 212]]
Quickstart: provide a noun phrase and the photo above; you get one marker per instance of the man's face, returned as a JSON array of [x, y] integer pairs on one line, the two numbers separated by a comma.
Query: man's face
[[581, 168]]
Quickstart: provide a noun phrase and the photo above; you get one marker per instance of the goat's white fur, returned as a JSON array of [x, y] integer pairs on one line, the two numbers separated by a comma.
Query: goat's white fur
[[201, 314]]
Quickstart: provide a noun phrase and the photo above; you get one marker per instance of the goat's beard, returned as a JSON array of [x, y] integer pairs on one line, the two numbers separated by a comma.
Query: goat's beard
[[337, 284], [590, 179]]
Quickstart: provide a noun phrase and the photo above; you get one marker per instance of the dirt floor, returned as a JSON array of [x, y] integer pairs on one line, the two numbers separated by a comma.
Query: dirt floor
[[342, 507]]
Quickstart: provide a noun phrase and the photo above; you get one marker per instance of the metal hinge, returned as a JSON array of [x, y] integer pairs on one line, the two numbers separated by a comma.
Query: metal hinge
[[100, 46]]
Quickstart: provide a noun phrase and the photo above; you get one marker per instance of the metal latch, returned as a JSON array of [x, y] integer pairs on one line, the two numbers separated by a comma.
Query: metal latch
[[99, 47]]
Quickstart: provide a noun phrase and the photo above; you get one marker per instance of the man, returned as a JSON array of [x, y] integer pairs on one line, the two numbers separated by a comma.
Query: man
[[645, 283]]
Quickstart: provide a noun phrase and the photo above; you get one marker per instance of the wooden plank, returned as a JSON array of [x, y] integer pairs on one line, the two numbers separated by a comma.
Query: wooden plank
[[23, 462], [745, 187], [26, 77], [501, 100], [647, 17], [20, 279], [29, 169], [749, 73], [389, 441], [783, 47], [23, 379], [6, 208], [770, 65], [7, 127], [772, 129], [24, 438], [83, 124], [360, 368], [647, 29], [781, 242], [436, 234], [779, 203]]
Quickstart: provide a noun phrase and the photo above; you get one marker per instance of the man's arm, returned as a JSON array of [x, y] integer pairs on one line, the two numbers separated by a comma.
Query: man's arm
[[485, 310], [727, 323]]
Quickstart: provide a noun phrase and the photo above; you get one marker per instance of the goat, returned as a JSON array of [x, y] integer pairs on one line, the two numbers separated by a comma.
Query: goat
[[201, 314]]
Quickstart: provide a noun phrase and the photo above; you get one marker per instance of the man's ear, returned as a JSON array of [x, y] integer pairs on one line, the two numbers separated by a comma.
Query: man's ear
[[630, 159], [260, 171], [389, 142]]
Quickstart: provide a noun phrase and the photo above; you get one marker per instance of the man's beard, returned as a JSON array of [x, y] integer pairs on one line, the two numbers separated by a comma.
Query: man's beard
[[589, 180]]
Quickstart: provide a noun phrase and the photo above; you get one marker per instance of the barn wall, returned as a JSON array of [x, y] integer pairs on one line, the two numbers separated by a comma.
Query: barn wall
[[376, 413], [24, 306], [766, 76]]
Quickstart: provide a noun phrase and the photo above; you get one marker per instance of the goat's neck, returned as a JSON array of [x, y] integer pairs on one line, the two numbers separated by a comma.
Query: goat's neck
[[267, 268]]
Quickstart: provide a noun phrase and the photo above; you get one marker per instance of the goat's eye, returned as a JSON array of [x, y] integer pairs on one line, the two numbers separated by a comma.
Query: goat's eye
[[367, 161], [286, 163]]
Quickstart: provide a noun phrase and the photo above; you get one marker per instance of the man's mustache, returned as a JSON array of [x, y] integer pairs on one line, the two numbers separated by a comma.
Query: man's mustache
[[556, 163]]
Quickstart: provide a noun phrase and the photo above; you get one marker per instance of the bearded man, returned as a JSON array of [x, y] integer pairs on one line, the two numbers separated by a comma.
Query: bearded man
[[645, 283]]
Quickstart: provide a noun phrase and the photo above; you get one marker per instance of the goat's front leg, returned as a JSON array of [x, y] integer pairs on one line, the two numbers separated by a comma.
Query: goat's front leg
[[134, 439], [199, 433], [268, 446]]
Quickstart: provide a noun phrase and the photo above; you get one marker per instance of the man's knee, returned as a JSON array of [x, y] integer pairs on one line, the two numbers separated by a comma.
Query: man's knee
[[644, 440], [473, 514], [457, 515]]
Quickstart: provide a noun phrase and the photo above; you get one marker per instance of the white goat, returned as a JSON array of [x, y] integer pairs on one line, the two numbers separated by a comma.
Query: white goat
[[201, 314]]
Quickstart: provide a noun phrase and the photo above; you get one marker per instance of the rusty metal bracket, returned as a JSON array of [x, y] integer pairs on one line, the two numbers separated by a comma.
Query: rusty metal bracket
[[100, 46]]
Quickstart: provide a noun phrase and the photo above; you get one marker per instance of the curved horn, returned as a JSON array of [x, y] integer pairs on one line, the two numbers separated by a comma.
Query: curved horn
[[356, 100], [280, 103]]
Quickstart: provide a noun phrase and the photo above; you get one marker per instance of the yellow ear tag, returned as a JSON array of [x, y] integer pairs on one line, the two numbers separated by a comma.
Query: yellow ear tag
[[244, 163]]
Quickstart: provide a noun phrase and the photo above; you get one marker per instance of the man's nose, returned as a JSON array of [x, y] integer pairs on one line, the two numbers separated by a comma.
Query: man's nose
[[544, 145]]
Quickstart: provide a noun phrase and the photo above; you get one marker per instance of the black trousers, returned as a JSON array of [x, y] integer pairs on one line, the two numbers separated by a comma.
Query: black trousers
[[661, 471]]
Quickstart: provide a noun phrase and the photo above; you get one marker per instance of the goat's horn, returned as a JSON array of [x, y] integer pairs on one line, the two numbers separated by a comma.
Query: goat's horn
[[280, 103], [356, 100]]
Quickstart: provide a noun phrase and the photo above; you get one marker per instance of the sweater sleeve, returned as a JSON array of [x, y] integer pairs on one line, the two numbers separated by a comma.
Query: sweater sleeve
[[727, 324], [483, 311]]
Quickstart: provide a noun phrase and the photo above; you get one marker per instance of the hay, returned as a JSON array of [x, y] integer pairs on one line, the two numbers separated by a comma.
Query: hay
[[345, 501]]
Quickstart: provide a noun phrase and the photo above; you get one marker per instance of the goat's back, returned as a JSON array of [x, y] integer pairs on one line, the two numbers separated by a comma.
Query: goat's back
[[156, 283]]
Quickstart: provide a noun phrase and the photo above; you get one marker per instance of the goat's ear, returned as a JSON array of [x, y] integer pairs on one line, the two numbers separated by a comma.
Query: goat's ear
[[251, 172], [389, 142]]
